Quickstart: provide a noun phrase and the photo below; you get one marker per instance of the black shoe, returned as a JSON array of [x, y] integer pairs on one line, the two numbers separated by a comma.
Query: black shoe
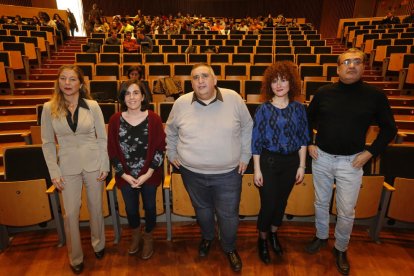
[[315, 245], [275, 244], [263, 250], [234, 260], [100, 254], [342, 263], [204, 247], [77, 269]]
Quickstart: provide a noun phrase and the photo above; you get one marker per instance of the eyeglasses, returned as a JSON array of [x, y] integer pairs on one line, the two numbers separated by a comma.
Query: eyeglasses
[[348, 62]]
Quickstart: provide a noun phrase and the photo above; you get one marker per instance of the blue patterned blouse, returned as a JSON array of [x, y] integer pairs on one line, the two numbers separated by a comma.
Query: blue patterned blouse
[[282, 131]]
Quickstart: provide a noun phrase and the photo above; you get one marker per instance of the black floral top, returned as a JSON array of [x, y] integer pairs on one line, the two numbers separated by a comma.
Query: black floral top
[[134, 143]]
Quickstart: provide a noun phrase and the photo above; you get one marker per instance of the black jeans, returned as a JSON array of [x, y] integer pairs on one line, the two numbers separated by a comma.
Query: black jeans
[[279, 174]]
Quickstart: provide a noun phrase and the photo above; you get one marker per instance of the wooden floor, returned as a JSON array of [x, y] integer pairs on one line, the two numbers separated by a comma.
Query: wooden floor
[[35, 253]]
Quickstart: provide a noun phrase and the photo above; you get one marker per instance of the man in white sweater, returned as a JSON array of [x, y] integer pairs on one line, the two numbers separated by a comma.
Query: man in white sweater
[[208, 139]]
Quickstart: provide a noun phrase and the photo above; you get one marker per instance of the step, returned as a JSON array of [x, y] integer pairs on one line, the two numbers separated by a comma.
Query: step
[[384, 84], [42, 77], [18, 124], [18, 100], [63, 54], [54, 66], [17, 110], [392, 92], [34, 91], [58, 58], [59, 61], [402, 110], [12, 136], [34, 84], [371, 78], [44, 71], [401, 101]]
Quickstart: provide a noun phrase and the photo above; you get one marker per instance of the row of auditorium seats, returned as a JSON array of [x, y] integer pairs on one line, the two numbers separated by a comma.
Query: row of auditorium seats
[[297, 46], [311, 34], [377, 201], [222, 58]]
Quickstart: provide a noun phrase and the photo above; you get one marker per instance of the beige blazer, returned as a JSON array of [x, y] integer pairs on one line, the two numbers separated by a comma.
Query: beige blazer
[[84, 149]]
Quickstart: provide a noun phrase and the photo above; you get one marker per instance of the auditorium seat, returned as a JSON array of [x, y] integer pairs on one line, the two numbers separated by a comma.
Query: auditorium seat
[[31, 204], [369, 200]]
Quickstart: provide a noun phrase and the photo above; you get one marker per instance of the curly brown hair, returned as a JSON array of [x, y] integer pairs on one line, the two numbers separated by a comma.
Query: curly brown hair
[[283, 69]]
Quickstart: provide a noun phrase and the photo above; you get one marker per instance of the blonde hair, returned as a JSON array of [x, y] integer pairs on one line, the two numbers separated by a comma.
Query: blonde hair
[[58, 102]]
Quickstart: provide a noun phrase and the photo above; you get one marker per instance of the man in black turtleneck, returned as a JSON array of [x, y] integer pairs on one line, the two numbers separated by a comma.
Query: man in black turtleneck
[[342, 113]]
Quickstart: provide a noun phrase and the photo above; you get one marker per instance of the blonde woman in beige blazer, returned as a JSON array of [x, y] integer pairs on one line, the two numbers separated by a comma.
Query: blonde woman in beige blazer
[[82, 159]]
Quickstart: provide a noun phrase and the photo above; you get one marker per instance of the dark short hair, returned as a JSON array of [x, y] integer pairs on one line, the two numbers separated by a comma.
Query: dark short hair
[[135, 68], [283, 69], [124, 88]]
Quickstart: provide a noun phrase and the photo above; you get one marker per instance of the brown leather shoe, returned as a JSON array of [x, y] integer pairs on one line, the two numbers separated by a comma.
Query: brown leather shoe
[[342, 263], [136, 239], [148, 246]]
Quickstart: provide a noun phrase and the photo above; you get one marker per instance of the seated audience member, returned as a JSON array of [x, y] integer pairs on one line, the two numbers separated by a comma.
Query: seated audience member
[[126, 27], [390, 19], [217, 26], [113, 39], [35, 21], [409, 18], [144, 41], [135, 72], [105, 25], [243, 27], [130, 45], [98, 26]]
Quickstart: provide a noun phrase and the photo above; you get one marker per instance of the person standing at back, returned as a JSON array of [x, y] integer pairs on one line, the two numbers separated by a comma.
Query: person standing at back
[[342, 113], [208, 140]]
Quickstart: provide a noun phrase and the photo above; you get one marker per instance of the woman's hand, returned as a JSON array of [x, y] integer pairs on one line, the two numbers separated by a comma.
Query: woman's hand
[[102, 176], [143, 178], [300, 174], [128, 178], [258, 178], [59, 183]]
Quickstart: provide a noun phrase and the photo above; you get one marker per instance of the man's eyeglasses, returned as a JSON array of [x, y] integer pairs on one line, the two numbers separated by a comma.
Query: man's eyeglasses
[[348, 62]]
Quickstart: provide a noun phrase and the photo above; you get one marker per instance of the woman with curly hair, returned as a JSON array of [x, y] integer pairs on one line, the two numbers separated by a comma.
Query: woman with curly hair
[[279, 140]]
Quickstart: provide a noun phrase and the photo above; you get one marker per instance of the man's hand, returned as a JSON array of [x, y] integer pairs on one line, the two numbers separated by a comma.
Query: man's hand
[[242, 167], [313, 151], [361, 159]]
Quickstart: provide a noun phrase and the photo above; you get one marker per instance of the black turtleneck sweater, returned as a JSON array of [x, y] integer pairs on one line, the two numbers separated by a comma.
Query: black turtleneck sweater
[[342, 113]]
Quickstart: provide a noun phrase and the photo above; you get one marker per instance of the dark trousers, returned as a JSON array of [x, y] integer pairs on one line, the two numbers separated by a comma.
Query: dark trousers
[[215, 193], [131, 199], [279, 174]]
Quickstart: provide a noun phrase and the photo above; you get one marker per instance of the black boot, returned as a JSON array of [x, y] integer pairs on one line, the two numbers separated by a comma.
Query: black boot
[[274, 242], [263, 250], [342, 263]]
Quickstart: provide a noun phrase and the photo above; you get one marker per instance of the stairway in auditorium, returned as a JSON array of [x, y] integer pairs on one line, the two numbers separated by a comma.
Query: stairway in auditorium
[[18, 111]]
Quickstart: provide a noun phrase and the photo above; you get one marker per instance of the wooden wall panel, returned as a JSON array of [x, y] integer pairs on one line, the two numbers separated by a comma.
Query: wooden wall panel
[[27, 3], [332, 11]]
